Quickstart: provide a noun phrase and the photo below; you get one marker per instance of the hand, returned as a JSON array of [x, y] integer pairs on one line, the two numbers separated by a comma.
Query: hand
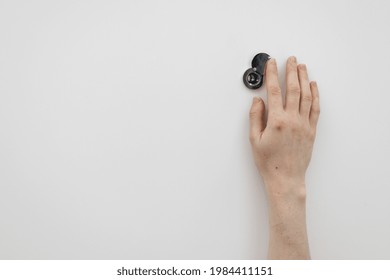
[[282, 146]]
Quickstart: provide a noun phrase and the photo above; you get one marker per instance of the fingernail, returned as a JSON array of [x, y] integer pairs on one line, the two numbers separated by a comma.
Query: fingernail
[[293, 59], [302, 66], [272, 60]]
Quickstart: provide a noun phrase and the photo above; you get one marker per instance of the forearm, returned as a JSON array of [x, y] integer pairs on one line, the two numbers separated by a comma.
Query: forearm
[[287, 220]]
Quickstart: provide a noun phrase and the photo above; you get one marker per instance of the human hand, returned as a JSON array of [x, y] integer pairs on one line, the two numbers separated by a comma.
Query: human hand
[[282, 143]]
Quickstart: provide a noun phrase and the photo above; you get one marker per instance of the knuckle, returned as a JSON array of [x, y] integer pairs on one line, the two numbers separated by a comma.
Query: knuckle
[[253, 114], [274, 89], [316, 110], [296, 126], [293, 88], [307, 98], [279, 124]]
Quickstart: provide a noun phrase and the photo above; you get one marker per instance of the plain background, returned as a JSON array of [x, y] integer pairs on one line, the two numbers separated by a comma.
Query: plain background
[[124, 127]]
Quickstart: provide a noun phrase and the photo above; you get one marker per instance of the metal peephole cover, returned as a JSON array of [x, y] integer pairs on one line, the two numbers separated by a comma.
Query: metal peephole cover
[[253, 77]]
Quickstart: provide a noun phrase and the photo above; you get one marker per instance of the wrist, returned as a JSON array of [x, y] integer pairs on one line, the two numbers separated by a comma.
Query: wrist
[[286, 190], [287, 205]]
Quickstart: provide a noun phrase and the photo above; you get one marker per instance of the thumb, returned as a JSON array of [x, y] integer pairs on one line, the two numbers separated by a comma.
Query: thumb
[[257, 118]]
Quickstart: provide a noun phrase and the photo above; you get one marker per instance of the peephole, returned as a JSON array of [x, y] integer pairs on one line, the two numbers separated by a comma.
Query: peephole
[[253, 77]]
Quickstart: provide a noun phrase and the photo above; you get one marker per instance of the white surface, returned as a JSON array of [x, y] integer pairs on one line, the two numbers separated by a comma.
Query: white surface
[[124, 131]]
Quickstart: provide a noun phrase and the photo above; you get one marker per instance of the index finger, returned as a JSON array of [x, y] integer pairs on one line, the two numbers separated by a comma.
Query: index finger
[[274, 94]]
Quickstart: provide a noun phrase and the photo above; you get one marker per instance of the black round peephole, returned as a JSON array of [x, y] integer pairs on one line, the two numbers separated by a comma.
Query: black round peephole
[[253, 77]]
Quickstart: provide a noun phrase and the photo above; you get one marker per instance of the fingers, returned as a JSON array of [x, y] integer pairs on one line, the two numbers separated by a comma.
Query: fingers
[[293, 89], [315, 106], [302, 96], [257, 118], [306, 96], [274, 93]]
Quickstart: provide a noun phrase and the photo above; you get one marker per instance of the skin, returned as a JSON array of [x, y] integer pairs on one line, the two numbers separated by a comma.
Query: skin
[[282, 142]]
